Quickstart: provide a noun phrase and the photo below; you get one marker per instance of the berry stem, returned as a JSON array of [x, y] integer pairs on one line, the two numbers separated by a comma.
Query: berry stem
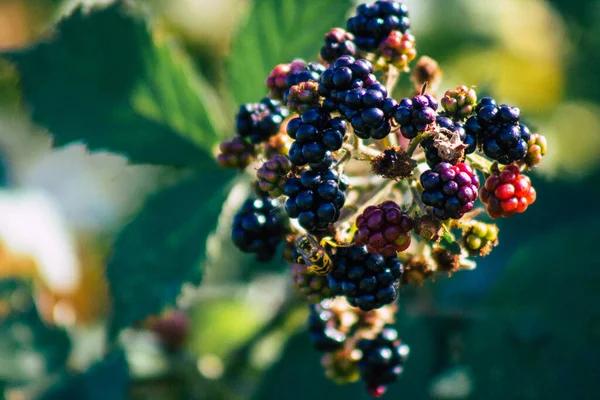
[[415, 142], [480, 162]]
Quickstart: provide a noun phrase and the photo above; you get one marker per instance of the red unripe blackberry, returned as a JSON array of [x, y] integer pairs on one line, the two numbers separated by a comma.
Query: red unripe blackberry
[[236, 153], [303, 96], [338, 43], [384, 229], [398, 49], [276, 81], [272, 175], [507, 193]]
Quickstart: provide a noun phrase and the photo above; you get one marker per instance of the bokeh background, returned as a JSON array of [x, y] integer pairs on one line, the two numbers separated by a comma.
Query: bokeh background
[[524, 325]]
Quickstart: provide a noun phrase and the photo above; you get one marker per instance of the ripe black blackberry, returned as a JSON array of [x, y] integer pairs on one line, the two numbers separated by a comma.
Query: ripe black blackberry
[[450, 189], [323, 327], [382, 360], [498, 130], [374, 22], [316, 134], [367, 280], [416, 115], [315, 198], [350, 87], [469, 141], [258, 122], [259, 227], [338, 43]]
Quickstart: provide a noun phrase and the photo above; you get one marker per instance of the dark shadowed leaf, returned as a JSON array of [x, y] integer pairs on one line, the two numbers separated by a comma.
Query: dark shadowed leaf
[[163, 247], [278, 31], [104, 79]]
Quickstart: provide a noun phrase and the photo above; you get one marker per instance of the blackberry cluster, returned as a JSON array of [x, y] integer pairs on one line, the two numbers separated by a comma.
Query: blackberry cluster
[[316, 135], [507, 193], [536, 150], [235, 153], [384, 229], [501, 135], [398, 49], [315, 198], [273, 175], [303, 96], [450, 189], [259, 227], [350, 87], [367, 280], [302, 72], [468, 143], [416, 115], [374, 22], [323, 327], [338, 43], [275, 82], [382, 360], [258, 122], [309, 285]]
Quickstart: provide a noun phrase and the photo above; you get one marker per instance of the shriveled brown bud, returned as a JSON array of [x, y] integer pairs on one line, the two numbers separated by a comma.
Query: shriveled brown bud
[[445, 261], [426, 70], [393, 163], [342, 366], [417, 270], [429, 228]]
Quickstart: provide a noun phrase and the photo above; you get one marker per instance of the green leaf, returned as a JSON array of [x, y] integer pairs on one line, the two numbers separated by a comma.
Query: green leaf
[[107, 379], [278, 31], [103, 79], [449, 243], [162, 248]]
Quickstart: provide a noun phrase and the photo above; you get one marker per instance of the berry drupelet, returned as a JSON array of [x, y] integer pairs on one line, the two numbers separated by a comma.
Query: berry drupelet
[[350, 87], [338, 43], [316, 135], [450, 189], [259, 227], [367, 281], [501, 135], [315, 198], [258, 122], [384, 229], [323, 327], [374, 22], [507, 193], [236, 153], [303, 96], [382, 360], [416, 115], [451, 150]]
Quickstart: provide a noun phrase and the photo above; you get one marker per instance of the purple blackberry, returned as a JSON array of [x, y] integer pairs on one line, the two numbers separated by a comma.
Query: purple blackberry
[[259, 227], [374, 22], [323, 327], [350, 87], [315, 198], [338, 43], [367, 280], [258, 122], [416, 115], [382, 360], [499, 132], [432, 152], [450, 189], [302, 72], [316, 135]]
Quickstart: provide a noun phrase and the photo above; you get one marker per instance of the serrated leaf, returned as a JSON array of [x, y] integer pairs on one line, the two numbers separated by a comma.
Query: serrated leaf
[[107, 379], [103, 79], [162, 248], [278, 31]]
